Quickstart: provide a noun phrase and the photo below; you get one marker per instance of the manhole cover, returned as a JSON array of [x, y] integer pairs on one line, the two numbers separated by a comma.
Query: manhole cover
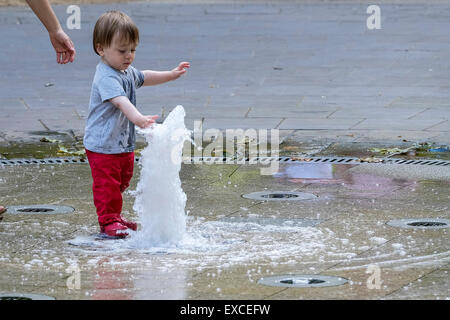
[[23, 296], [431, 223], [40, 209], [279, 222], [302, 281], [279, 196]]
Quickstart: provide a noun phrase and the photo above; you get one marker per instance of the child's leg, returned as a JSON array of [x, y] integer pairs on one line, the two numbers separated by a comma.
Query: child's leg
[[127, 170], [106, 187], [127, 173]]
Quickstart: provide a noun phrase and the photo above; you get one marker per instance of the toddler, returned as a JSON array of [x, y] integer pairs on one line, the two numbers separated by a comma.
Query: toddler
[[110, 135]]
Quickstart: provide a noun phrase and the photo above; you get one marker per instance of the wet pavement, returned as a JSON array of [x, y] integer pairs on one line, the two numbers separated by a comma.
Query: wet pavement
[[354, 92], [234, 242]]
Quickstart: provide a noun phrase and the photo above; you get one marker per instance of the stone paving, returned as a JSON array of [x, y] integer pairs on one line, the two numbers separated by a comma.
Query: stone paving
[[314, 71], [303, 67], [239, 241]]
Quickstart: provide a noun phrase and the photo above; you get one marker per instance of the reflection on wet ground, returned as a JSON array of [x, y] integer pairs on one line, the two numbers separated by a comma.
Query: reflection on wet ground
[[339, 174]]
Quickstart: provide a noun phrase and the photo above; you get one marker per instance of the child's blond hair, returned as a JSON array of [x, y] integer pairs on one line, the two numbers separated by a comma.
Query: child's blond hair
[[111, 23]]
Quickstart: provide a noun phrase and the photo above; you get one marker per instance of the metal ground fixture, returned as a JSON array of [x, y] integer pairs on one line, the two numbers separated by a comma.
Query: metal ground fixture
[[40, 209], [23, 296], [255, 160], [302, 281], [423, 223], [279, 196]]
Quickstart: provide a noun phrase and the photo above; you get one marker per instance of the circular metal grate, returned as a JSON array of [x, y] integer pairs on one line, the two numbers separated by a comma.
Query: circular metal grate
[[40, 209], [424, 223], [35, 210], [23, 296], [279, 196], [302, 281]]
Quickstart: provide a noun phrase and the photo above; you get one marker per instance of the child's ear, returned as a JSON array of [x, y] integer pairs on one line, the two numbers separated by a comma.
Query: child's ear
[[99, 49]]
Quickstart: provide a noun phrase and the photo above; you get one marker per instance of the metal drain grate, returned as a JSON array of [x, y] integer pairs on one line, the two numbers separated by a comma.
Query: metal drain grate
[[302, 281], [334, 160], [23, 296], [35, 210], [424, 223], [39, 209], [279, 196], [254, 160], [42, 161]]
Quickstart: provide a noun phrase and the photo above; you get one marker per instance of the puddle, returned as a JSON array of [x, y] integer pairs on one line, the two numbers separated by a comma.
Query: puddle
[[327, 173], [227, 243], [313, 173]]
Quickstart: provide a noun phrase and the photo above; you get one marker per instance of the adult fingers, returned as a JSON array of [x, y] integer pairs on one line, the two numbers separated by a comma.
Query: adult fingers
[[64, 57], [70, 50], [72, 55]]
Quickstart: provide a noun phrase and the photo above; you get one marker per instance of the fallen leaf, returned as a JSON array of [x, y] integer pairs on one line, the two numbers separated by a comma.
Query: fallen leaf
[[73, 153], [44, 139]]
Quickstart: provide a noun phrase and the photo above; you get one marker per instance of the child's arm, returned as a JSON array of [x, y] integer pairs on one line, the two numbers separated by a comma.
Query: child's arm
[[130, 111], [157, 77]]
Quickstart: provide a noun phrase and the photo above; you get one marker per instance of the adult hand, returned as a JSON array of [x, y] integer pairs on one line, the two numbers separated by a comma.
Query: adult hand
[[65, 50]]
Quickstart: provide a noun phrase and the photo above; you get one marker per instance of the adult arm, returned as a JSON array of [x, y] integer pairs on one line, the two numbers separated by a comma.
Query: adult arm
[[65, 50]]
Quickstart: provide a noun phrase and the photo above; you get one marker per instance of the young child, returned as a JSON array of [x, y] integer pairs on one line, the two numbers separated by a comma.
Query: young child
[[110, 127]]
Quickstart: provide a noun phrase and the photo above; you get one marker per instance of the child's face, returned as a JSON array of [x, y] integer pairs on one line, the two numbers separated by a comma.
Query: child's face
[[119, 55]]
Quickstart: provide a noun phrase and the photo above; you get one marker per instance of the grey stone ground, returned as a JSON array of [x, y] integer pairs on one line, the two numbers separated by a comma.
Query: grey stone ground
[[312, 70], [353, 206]]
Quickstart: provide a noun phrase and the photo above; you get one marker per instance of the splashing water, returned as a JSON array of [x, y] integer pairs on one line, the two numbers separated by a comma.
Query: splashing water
[[166, 229], [160, 200]]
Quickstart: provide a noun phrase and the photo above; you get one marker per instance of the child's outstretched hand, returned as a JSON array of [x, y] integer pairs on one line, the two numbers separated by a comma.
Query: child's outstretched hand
[[146, 121], [181, 69]]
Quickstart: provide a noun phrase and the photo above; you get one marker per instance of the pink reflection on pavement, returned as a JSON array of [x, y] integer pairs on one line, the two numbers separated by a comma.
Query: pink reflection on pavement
[[327, 173]]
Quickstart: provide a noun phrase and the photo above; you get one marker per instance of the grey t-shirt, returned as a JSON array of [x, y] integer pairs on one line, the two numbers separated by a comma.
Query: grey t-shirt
[[108, 130]]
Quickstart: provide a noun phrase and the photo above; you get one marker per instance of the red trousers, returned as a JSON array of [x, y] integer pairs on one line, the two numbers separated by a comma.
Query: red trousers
[[111, 175]]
